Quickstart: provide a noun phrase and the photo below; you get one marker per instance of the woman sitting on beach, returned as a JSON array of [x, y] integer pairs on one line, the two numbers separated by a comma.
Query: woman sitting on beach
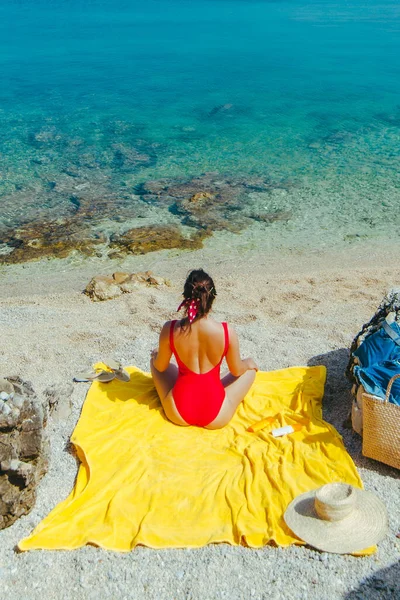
[[194, 394]]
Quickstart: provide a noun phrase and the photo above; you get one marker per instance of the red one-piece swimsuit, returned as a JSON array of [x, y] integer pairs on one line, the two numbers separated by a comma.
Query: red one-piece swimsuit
[[198, 396]]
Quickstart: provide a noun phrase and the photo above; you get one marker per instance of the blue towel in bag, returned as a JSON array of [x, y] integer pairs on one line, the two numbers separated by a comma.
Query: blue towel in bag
[[379, 346], [375, 379], [379, 357]]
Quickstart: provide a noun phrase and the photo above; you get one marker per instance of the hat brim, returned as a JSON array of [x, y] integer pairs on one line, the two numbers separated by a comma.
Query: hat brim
[[366, 525]]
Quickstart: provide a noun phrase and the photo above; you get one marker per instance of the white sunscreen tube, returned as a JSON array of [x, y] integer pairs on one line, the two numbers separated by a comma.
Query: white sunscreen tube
[[282, 431]]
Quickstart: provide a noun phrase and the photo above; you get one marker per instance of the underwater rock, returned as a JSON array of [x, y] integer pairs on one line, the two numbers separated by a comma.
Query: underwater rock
[[22, 455], [227, 110], [272, 217], [115, 157], [210, 201], [45, 137], [338, 137], [201, 196], [207, 203], [141, 240], [120, 128], [392, 119], [128, 158], [314, 145], [94, 158], [73, 230], [104, 287], [331, 141], [55, 239], [221, 108]]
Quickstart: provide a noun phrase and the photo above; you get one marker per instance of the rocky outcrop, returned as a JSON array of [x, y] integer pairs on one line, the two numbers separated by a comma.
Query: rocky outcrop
[[212, 202], [38, 240], [141, 240], [80, 201], [105, 287], [22, 456]]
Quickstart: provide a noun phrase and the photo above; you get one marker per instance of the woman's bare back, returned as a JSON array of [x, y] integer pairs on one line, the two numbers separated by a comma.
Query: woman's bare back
[[201, 346]]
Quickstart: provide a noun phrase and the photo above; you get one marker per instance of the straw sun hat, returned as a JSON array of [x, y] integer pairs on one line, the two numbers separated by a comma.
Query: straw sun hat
[[338, 517]]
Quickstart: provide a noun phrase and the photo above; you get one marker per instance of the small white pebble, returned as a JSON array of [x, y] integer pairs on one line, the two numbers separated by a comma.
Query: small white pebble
[[6, 410], [323, 557], [4, 396]]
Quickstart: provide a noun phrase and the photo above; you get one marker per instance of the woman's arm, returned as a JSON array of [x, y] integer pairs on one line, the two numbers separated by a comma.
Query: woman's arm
[[236, 365], [162, 357]]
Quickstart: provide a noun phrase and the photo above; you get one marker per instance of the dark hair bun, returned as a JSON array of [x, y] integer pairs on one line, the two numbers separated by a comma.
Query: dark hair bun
[[200, 285]]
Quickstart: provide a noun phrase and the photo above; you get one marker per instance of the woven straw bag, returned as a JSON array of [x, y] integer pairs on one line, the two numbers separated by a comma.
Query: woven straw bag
[[381, 428]]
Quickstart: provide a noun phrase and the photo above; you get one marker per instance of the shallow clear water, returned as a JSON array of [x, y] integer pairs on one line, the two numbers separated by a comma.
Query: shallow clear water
[[98, 97]]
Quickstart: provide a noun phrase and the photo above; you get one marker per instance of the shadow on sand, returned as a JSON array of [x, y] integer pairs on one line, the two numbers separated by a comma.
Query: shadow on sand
[[382, 585], [337, 407]]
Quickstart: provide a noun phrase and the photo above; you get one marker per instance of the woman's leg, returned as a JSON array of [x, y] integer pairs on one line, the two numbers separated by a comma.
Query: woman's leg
[[164, 381], [235, 390]]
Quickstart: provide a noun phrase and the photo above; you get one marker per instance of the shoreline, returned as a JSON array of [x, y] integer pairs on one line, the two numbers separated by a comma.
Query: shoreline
[[221, 252]]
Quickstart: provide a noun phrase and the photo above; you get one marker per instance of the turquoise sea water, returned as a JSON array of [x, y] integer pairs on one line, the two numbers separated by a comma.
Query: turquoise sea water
[[98, 97]]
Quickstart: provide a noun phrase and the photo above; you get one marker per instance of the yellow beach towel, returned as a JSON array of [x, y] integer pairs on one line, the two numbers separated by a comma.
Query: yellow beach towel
[[144, 480]]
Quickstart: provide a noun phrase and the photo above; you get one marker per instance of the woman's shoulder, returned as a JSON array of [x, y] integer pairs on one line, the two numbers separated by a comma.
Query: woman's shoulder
[[231, 331], [219, 323], [216, 327], [167, 327]]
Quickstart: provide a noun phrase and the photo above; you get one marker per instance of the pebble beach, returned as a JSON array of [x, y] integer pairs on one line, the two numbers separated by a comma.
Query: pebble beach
[[289, 309]]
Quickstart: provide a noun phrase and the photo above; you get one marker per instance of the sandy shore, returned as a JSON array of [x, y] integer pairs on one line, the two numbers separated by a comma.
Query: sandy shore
[[291, 308]]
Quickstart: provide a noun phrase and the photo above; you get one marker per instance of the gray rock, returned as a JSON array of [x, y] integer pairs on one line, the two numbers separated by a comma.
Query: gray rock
[[18, 401], [6, 389], [102, 288], [22, 456], [59, 400], [130, 286]]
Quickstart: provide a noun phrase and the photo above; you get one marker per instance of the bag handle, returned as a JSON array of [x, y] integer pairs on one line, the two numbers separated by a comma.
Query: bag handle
[[389, 387], [390, 332]]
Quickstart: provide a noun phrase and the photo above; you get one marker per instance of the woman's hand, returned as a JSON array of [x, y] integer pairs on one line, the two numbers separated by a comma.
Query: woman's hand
[[250, 364]]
